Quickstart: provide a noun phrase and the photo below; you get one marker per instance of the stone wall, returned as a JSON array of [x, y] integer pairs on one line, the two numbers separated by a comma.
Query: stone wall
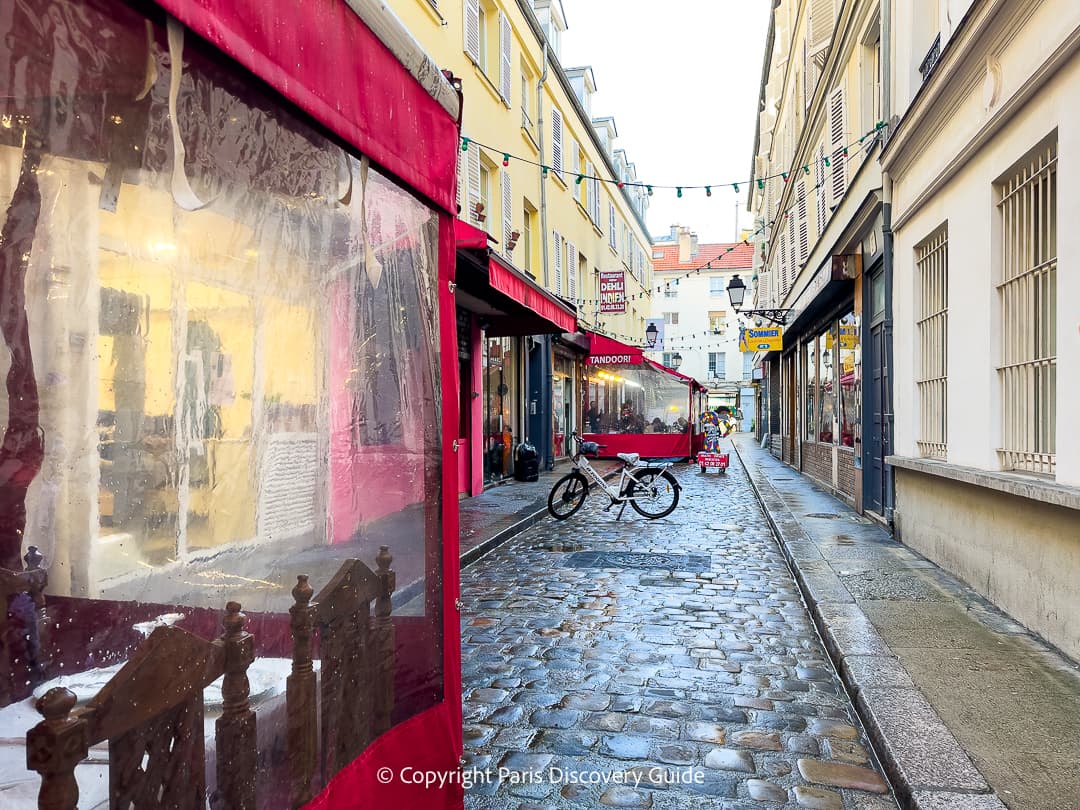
[[817, 462]]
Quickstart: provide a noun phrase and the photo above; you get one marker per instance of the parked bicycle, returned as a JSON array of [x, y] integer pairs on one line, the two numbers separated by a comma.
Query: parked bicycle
[[653, 491]]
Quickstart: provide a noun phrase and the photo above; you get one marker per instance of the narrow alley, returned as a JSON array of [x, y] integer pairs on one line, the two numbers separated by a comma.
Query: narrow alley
[[655, 664]]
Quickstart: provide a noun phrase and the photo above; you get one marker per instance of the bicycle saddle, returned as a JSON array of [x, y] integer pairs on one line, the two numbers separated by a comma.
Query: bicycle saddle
[[630, 458]]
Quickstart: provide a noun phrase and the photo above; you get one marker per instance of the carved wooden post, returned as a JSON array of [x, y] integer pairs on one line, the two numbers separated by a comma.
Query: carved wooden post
[[38, 631], [54, 747], [383, 643], [235, 729], [300, 700]]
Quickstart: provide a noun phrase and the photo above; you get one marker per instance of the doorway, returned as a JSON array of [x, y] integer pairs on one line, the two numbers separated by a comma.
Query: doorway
[[877, 386]]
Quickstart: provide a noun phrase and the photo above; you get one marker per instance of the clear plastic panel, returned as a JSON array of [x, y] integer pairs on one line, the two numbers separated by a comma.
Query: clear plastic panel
[[220, 355], [637, 399]]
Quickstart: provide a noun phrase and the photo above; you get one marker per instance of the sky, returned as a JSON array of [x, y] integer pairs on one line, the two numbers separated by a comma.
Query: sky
[[681, 78]]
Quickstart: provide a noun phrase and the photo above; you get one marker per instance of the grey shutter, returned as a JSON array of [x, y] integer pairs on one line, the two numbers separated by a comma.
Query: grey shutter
[[820, 191], [803, 224], [556, 141]]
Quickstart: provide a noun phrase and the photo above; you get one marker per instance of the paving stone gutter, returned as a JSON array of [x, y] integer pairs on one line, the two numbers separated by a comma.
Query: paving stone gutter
[[927, 766]]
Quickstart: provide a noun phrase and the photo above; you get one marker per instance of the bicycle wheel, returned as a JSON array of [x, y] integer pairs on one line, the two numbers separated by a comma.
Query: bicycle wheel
[[654, 493], [567, 495]]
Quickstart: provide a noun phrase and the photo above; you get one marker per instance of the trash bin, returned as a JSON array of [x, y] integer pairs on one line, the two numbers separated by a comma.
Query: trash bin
[[526, 463]]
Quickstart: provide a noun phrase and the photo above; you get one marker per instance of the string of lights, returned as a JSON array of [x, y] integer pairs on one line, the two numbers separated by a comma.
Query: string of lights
[[578, 177], [708, 265], [781, 216]]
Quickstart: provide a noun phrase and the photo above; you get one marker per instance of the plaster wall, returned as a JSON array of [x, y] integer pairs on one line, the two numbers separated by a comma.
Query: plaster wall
[[1020, 554], [981, 126]]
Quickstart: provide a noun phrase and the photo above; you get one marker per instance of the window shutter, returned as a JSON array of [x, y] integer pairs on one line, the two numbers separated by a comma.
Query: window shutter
[[803, 224], [457, 184], [507, 210], [782, 263], [506, 37], [822, 22], [472, 29], [611, 226], [571, 271], [837, 136], [556, 141], [793, 247], [558, 263], [820, 191], [473, 168]]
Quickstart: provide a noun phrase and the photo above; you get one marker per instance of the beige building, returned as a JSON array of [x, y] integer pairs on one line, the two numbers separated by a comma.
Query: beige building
[[983, 164], [820, 248]]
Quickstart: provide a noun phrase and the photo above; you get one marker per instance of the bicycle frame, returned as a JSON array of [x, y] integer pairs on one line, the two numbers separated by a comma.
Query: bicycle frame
[[581, 463]]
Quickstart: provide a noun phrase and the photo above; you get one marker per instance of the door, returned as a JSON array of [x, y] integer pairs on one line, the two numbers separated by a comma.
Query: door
[[876, 419]]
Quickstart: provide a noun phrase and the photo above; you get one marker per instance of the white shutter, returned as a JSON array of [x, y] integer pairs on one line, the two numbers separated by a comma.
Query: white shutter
[[473, 169], [793, 247], [782, 264], [820, 191], [590, 195], [472, 29], [507, 210], [506, 37], [811, 72], [822, 22], [803, 224], [558, 263], [571, 271], [556, 141], [457, 184], [611, 226], [837, 142]]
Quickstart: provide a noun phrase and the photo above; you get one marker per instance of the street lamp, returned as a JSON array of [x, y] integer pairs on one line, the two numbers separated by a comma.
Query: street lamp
[[736, 290], [650, 335], [676, 361]]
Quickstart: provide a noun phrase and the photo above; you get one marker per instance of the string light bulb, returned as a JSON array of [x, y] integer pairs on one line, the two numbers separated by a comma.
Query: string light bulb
[[506, 158], [708, 191], [464, 144], [678, 191]]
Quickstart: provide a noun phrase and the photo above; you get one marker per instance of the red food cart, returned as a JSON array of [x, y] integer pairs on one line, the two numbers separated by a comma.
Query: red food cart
[[228, 532]]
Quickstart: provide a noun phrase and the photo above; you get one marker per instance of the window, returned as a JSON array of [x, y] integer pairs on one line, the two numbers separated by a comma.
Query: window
[[1028, 293], [850, 381], [810, 382], [716, 287], [481, 59], [575, 152], [671, 289], [748, 366], [671, 318], [826, 389], [485, 187], [717, 365], [932, 326], [718, 322], [667, 361], [526, 94], [526, 238]]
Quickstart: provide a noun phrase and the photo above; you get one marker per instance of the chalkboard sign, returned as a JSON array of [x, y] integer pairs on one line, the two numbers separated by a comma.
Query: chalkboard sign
[[464, 334]]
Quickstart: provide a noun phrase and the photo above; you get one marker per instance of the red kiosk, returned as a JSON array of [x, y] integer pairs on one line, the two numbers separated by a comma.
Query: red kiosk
[[228, 512], [635, 405]]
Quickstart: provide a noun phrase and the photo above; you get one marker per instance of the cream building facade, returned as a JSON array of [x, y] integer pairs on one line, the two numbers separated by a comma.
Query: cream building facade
[[983, 165], [819, 246]]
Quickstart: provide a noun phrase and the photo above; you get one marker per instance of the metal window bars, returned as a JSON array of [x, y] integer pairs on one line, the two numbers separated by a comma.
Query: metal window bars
[[932, 327]]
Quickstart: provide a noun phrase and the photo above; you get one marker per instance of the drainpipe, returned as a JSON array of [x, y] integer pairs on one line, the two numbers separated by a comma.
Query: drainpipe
[[545, 440], [543, 181], [887, 258]]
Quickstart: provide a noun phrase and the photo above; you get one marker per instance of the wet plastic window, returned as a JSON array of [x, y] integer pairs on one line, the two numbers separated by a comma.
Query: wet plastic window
[[637, 399], [220, 354]]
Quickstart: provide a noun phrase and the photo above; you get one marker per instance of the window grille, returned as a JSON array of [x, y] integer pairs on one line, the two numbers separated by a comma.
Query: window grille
[[717, 365], [1028, 294], [932, 326]]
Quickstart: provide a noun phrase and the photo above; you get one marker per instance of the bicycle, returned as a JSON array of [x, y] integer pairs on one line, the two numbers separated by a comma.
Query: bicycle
[[652, 491]]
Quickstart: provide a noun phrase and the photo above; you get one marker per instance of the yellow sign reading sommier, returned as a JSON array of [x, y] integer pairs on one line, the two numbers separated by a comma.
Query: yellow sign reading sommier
[[762, 340]]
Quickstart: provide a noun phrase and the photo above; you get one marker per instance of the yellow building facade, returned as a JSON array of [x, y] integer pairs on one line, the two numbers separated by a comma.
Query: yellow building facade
[[497, 49]]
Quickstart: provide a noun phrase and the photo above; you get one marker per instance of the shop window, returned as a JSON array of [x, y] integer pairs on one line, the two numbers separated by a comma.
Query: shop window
[[810, 388], [826, 389], [850, 375]]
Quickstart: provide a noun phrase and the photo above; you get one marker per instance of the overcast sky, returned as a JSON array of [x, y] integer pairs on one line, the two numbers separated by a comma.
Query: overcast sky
[[681, 78]]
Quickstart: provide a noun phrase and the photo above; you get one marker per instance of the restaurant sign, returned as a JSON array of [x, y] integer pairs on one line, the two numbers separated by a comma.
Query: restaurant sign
[[761, 340], [613, 291]]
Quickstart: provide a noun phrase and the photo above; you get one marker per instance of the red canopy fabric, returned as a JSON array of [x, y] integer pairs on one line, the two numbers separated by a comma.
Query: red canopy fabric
[[693, 383], [321, 56], [605, 351], [469, 236], [518, 287]]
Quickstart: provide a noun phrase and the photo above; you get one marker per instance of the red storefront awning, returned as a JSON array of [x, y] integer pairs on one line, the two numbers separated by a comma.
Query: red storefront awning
[[605, 351], [330, 64], [516, 305]]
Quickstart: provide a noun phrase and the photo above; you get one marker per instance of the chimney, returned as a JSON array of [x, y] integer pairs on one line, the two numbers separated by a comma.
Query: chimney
[[674, 235], [687, 245]]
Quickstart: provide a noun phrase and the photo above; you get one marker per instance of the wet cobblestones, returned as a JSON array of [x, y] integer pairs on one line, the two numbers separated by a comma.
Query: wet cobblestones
[[650, 687]]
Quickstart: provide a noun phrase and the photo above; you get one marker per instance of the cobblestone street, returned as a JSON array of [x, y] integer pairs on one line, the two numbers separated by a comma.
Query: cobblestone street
[[661, 664]]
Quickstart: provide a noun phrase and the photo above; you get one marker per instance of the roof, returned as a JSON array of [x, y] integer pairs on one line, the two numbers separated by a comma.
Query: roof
[[733, 255]]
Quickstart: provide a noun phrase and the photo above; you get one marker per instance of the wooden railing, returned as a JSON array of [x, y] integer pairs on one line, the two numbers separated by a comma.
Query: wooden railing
[[151, 712]]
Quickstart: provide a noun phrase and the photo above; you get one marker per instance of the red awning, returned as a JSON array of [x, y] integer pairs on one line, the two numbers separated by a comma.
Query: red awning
[[513, 304], [693, 383], [605, 351], [330, 64]]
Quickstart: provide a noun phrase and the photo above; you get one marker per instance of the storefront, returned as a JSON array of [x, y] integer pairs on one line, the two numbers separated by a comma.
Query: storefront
[[225, 302], [508, 382], [636, 405]]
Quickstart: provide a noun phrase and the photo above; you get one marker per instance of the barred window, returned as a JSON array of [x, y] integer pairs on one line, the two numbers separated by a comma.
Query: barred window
[[932, 326], [1028, 293]]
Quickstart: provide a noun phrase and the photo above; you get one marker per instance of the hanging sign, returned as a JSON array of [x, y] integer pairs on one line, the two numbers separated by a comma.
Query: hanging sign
[[613, 291], [761, 340]]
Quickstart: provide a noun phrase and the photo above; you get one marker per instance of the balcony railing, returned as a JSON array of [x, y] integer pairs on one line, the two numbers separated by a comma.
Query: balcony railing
[[931, 59]]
